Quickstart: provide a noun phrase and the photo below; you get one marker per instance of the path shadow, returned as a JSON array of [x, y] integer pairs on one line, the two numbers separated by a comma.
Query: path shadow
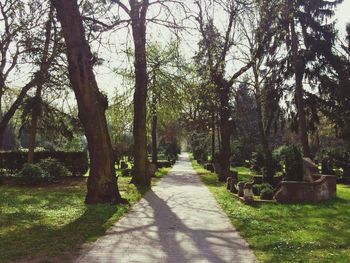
[[208, 244]]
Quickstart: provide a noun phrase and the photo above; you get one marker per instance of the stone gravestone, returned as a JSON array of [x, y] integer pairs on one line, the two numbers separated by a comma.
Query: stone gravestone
[[248, 193], [309, 169], [240, 187]]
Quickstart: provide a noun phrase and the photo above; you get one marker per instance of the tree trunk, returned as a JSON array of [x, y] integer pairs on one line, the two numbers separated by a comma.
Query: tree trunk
[[38, 79], [2, 90], [36, 110], [299, 66], [213, 135], [138, 24], [225, 152], [154, 131], [218, 133], [14, 107], [34, 124], [102, 182], [268, 165]]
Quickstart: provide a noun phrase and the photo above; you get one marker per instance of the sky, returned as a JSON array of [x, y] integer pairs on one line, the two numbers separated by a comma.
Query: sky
[[110, 83], [343, 15]]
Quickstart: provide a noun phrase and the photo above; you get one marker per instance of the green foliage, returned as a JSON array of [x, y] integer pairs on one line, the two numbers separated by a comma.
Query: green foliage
[[266, 164], [244, 174], [266, 191], [46, 171], [279, 154], [239, 153], [54, 168], [246, 120], [75, 162], [294, 163], [258, 160], [33, 174], [339, 153], [335, 160], [200, 143]]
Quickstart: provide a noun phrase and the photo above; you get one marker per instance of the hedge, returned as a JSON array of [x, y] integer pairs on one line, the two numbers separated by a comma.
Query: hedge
[[75, 162]]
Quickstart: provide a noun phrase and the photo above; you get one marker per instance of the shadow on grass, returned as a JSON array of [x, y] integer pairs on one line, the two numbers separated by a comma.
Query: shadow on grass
[[39, 223], [44, 239]]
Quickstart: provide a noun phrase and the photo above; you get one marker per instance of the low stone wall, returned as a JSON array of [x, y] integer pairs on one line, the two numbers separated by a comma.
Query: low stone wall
[[323, 188]]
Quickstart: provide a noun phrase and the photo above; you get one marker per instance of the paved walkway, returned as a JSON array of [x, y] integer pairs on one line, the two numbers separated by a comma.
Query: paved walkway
[[178, 221]]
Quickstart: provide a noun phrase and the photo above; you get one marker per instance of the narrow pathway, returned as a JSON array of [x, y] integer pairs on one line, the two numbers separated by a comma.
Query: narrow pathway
[[178, 221]]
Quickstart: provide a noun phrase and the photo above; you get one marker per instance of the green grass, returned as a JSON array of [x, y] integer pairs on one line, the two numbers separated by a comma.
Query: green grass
[[244, 173], [53, 221], [289, 233]]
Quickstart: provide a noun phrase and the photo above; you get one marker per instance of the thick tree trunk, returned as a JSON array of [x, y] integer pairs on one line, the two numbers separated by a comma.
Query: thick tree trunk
[[154, 131], [298, 65], [225, 149], [140, 176], [102, 182]]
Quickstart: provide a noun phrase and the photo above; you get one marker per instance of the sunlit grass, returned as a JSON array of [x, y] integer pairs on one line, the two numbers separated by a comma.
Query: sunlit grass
[[45, 222], [289, 233]]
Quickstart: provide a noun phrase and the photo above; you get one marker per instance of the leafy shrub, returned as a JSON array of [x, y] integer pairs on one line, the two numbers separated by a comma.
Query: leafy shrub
[[200, 144], [258, 160], [279, 156], [239, 153], [294, 164], [266, 191], [54, 168], [335, 157], [32, 174], [75, 162], [265, 164]]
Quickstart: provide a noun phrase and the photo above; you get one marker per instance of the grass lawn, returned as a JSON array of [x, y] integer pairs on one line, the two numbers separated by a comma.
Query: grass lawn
[[289, 233], [53, 221]]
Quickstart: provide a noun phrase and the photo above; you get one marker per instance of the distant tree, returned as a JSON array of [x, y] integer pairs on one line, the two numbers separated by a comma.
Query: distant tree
[[21, 23], [309, 38], [334, 88], [245, 119], [215, 47], [261, 29], [165, 82], [137, 11]]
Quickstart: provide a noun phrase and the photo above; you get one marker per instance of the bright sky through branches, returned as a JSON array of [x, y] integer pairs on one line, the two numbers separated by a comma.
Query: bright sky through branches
[[110, 83]]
